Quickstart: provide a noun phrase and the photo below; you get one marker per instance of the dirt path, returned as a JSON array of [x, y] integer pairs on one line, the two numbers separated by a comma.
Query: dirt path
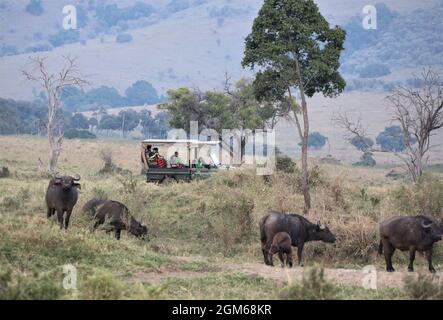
[[349, 277]]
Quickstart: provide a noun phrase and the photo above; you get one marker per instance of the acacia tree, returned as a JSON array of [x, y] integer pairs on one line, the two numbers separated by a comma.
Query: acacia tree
[[294, 48], [53, 84]]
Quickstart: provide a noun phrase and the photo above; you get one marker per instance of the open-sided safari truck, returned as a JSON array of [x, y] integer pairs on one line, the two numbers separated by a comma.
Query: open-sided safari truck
[[178, 160]]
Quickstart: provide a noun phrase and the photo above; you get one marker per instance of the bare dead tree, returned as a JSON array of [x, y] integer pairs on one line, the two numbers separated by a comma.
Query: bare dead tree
[[52, 84], [420, 113], [353, 129]]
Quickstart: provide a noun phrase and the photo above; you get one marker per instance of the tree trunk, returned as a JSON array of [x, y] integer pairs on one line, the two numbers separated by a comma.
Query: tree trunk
[[304, 160], [55, 145], [304, 149]]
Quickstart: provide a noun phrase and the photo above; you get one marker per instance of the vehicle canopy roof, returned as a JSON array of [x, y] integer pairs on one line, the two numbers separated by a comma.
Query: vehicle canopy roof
[[179, 141]]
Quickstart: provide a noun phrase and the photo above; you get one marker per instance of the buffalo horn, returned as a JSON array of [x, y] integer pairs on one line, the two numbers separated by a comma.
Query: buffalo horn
[[77, 177], [426, 226]]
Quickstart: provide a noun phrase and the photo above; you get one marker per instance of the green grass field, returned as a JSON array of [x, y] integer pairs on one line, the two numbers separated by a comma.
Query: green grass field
[[204, 240]]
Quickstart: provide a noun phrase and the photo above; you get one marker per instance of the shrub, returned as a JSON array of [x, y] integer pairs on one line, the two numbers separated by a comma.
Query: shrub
[[79, 134], [35, 287], [4, 172], [35, 8], [316, 140], [312, 287], [9, 50], [285, 164], [38, 48], [123, 38], [425, 197], [366, 160], [425, 287], [64, 37], [101, 287], [229, 219]]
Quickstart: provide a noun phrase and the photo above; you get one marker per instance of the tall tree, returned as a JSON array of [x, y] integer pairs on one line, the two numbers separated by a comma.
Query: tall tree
[[293, 46], [53, 84]]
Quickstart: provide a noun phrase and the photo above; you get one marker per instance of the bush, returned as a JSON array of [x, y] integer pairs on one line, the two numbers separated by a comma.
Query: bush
[[4, 172], [35, 8], [312, 287], [9, 50], [425, 197], [101, 287], [285, 164], [79, 134], [39, 48], [123, 38], [229, 219], [35, 287], [374, 70], [425, 287], [366, 160], [316, 140], [64, 37]]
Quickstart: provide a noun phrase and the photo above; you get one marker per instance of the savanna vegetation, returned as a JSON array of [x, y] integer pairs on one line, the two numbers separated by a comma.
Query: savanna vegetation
[[204, 235]]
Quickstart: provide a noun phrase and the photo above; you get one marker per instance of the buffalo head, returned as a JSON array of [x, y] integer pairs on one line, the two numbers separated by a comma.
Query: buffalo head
[[435, 230], [139, 230], [67, 182], [322, 232]]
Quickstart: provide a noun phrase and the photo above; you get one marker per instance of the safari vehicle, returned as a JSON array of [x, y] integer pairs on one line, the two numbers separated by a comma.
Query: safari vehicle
[[199, 160]]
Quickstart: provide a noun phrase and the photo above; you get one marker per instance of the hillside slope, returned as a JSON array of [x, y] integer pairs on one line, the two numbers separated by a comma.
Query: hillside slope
[[171, 47]]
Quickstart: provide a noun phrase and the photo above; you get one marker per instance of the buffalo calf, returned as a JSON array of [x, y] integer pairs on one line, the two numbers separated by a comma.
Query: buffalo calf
[[281, 244]]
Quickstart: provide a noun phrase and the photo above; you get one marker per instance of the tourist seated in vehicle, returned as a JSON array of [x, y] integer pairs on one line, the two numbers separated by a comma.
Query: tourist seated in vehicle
[[156, 160], [175, 161], [200, 163]]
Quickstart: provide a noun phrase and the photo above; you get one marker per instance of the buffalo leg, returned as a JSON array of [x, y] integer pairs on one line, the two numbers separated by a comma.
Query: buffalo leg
[[388, 250], [289, 260], [300, 254], [265, 255], [117, 233], [429, 258], [270, 260], [60, 214], [67, 217], [50, 212], [411, 259], [282, 259], [265, 248]]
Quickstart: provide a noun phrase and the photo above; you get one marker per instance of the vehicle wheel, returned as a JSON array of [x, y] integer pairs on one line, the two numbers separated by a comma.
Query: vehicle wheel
[[168, 180]]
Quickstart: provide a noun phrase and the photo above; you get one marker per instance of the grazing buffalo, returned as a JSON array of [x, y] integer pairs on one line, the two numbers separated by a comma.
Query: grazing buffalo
[[61, 197], [409, 234], [116, 215], [281, 244], [299, 229]]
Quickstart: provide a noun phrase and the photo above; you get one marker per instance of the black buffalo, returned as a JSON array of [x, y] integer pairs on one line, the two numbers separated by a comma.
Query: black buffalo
[[411, 234], [117, 216], [61, 197], [299, 229]]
